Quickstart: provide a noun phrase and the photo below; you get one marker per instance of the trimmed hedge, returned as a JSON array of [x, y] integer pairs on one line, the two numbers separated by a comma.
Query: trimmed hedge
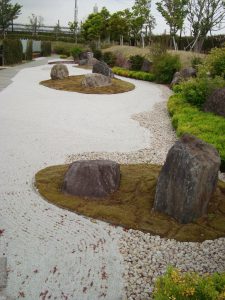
[[175, 284], [29, 50], [13, 51], [46, 48], [187, 118], [134, 74]]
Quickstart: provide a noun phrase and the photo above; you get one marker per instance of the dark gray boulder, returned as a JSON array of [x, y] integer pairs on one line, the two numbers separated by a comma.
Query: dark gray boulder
[[92, 178], [187, 179], [59, 71], [215, 103], [146, 66], [184, 74], [102, 68], [96, 80]]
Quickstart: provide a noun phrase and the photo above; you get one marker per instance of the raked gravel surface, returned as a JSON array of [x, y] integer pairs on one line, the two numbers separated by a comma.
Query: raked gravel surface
[[56, 254]]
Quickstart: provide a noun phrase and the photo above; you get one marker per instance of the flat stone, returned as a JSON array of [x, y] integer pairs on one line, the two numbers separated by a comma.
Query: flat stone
[[3, 272]]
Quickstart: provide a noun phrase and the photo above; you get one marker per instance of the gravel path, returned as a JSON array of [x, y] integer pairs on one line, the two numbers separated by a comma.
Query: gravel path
[[55, 254]]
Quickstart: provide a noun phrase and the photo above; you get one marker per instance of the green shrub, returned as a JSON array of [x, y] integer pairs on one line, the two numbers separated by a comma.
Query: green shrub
[[109, 58], [134, 74], [75, 52], [62, 49], [29, 50], [196, 90], [196, 61], [187, 118], [97, 54], [190, 285], [46, 48], [63, 56], [215, 62], [136, 62], [164, 67], [13, 51]]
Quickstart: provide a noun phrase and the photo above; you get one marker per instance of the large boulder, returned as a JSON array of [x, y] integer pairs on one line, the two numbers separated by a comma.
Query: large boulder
[[146, 66], [96, 80], [59, 71], [187, 179], [92, 178], [102, 68], [184, 74], [215, 103]]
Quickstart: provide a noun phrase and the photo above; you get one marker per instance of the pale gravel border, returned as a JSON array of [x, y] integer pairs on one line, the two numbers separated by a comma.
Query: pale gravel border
[[147, 256]]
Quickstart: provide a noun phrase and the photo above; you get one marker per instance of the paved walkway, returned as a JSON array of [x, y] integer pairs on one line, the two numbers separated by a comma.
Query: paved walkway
[[7, 74]]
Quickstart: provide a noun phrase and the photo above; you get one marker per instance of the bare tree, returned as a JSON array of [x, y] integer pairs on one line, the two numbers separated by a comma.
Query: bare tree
[[205, 16], [35, 22]]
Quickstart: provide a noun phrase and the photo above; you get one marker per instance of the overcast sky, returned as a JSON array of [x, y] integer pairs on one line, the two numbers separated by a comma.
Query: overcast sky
[[63, 10]]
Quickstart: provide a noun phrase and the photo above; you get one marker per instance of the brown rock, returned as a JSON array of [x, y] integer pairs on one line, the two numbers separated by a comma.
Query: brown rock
[[215, 103], [59, 71], [187, 179], [184, 74], [102, 68], [96, 80], [92, 178]]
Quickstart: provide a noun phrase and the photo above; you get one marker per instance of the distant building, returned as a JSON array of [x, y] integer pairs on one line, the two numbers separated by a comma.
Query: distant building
[[95, 9]]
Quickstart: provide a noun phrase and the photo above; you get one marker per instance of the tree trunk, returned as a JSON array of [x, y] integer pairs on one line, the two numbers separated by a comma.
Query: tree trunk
[[199, 44]]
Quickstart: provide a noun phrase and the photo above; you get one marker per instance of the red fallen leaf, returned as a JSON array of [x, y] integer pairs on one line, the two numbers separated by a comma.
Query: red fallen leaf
[[2, 231], [54, 270], [84, 290], [104, 275], [35, 271], [21, 294]]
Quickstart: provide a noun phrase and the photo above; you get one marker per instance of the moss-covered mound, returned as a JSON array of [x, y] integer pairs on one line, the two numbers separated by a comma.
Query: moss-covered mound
[[131, 206], [73, 84]]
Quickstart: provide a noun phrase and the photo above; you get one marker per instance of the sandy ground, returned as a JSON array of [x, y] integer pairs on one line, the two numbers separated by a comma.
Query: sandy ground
[[52, 253]]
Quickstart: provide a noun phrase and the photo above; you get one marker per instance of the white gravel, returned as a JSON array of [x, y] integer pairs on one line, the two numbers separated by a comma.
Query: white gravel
[[55, 254]]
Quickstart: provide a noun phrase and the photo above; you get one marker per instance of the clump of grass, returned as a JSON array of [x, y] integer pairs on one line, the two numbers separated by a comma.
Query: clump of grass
[[131, 206], [73, 84]]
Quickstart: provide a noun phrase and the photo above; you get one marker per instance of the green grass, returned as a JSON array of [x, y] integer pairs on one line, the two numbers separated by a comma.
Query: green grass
[[133, 74], [131, 206], [73, 84], [187, 118]]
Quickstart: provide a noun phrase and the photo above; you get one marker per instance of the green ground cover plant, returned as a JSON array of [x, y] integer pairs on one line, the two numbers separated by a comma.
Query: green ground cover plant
[[134, 74], [177, 285], [131, 206]]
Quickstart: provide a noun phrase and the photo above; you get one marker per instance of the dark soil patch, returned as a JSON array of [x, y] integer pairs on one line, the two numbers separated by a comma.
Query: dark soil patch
[[131, 206], [73, 84]]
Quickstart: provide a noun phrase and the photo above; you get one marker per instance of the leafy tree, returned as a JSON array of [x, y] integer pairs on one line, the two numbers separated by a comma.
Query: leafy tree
[[141, 15], [119, 26], [204, 17], [174, 12], [35, 22], [8, 13], [96, 27]]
